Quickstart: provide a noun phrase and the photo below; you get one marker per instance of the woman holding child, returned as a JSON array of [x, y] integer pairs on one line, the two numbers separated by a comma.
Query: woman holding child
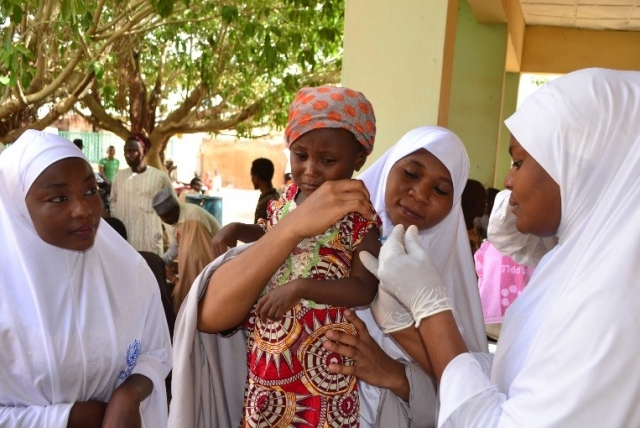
[[418, 181], [324, 206], [310, 277]]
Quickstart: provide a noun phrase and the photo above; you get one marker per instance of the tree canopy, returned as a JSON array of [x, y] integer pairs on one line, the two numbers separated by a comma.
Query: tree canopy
[[163, 67]]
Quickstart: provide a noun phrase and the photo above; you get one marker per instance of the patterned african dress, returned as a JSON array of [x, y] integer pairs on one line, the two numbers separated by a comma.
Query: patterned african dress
[[289, 383]]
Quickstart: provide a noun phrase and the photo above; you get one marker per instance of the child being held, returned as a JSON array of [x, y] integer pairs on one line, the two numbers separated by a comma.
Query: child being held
[[330, 132]]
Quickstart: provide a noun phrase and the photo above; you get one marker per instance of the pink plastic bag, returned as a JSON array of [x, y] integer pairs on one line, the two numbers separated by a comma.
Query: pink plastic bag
[[500, 281]]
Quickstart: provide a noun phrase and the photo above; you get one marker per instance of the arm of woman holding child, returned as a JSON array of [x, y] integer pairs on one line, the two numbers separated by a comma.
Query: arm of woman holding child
[[358, 289], [122, 410], [237, 284]]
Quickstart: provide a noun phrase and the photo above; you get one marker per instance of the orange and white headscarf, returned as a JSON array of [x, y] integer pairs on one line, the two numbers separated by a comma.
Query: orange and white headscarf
[[331, 107]]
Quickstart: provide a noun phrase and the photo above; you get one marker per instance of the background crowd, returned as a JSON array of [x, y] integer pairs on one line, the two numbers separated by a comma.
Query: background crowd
[[366, 302]]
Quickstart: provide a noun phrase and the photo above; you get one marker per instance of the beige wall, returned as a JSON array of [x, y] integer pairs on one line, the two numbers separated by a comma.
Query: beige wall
[[393, 53], [233, 160]]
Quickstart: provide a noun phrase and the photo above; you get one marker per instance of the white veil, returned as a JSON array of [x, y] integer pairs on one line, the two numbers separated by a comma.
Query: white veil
[[67, 318], [447, 242], [580, 308]]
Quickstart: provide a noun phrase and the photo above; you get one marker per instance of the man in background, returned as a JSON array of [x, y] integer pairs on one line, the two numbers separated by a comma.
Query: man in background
[[190, 229], [261, 177], [195, 188], [108, 167], [133, 190]]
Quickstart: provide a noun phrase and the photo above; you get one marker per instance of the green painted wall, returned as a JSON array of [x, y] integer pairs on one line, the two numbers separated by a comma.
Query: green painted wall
[[476, 90], [509, 104]]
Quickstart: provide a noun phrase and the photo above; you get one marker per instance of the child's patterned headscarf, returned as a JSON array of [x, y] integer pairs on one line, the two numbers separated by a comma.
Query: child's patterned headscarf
[[331, 107]]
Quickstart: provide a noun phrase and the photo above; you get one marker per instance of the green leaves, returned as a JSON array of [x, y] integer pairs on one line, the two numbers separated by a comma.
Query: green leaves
[[163, 7], [15, 60], [16, 15], [236, 53], [72, 10], [229, 13], [97, 69]]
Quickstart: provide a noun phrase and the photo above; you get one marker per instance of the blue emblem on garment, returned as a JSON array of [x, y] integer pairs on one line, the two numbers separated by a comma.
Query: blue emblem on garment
[[132, 358]]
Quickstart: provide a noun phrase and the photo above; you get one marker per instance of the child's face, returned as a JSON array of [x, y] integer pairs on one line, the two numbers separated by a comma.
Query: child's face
[[325, 154], [419, 191]]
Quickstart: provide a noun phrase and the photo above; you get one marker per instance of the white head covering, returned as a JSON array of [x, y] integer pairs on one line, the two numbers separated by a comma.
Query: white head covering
[[504, 236], [447, 242], [581, 306], [74, 324]]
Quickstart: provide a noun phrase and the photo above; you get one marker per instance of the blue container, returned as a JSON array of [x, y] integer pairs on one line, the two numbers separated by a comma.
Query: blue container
[[213, 204]]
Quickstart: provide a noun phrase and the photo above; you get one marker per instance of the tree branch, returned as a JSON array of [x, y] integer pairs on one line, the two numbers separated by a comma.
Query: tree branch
[[117, 19], [15, 105], [182, 113], [156, 92], [165, 23], [218, 124], [56, 111], [100, 118], [124, 30], [96, 18]]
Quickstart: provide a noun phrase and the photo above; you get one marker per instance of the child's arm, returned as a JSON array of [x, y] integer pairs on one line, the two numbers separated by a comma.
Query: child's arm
[[228, 236], [236, 285], [358, 289]]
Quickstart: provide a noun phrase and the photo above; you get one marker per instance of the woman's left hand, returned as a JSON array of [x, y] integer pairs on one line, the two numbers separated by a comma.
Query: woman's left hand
[[123, 410], [371, 364], [326, 205]]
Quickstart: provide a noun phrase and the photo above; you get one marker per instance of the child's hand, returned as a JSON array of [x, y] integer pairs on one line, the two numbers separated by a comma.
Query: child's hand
[[277, 302], [225, 238]]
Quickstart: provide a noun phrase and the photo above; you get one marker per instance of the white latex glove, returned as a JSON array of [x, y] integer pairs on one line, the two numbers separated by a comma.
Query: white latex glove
[[389, 313], [407, 272]]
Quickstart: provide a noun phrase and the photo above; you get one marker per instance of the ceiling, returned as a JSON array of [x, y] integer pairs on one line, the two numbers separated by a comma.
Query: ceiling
[[620, 15]]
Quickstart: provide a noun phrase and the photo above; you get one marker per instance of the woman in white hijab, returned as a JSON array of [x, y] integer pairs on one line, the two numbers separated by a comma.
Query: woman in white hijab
[[568, 350], [85, 341], [409, 185]]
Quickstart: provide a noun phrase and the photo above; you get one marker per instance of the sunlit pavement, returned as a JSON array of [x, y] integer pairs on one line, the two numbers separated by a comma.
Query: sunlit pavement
[[238, 205]]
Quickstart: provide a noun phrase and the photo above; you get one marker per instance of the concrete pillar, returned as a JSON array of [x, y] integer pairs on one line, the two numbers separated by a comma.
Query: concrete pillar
[[509, 103], [395, 52], [476, 90]]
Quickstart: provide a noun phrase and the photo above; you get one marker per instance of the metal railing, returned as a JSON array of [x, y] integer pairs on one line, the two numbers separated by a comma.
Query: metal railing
[[95, 143]]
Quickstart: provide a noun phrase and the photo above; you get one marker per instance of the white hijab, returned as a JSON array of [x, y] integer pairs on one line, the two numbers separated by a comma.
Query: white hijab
[[447, 242], [73, 324], [575, 326], [504, 236]]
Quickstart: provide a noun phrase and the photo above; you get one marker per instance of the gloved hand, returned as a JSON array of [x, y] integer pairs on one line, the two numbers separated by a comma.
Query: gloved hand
[[388, 312], [407, 272]]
